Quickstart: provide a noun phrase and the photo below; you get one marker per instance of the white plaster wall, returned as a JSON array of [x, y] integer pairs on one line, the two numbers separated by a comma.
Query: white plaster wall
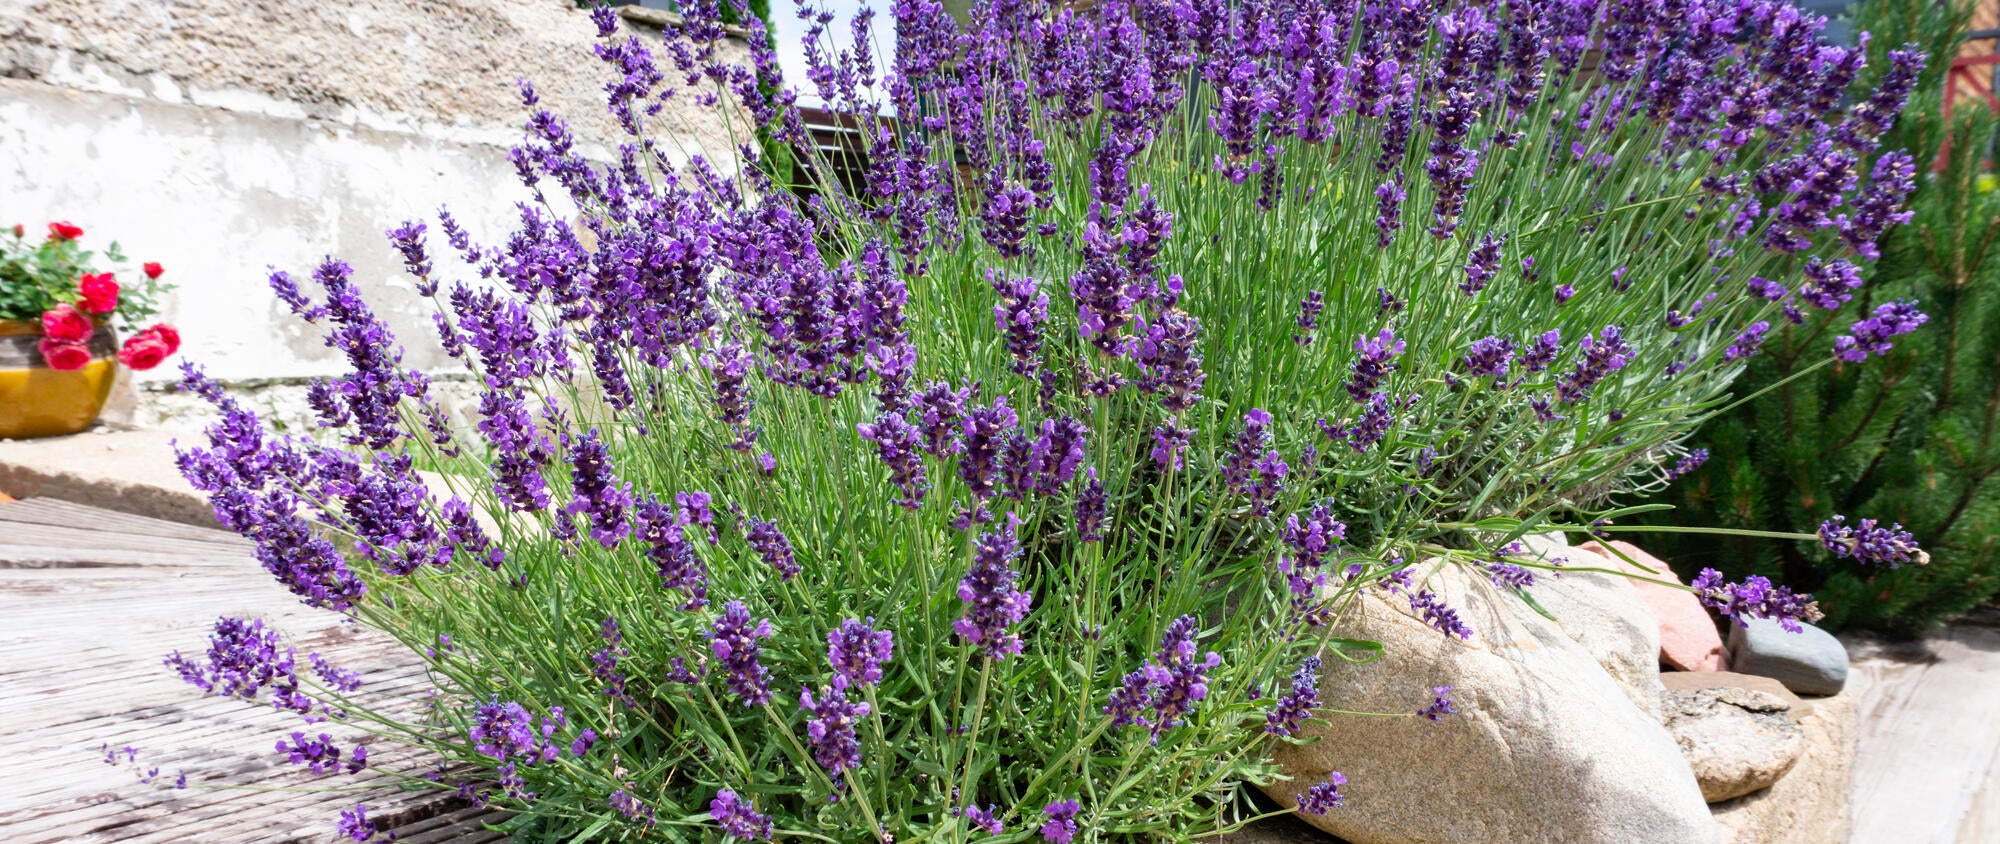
[[217, 196], [223, 137]]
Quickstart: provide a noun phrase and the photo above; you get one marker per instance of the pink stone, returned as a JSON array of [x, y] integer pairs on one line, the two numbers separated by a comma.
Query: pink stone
[[1688, 640]]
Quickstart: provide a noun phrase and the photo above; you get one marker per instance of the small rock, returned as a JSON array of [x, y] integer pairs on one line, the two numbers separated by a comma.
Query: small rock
[[1688, 640], [1690, 681], [1547, 746], [1810, 805], [1810, 662], [1736, 740]]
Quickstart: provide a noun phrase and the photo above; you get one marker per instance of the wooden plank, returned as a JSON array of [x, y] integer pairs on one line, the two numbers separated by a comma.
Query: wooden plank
[[1929, 746], [80, 658], [58, 513]]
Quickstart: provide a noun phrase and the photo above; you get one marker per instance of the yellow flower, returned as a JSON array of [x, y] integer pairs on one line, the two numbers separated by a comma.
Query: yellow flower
[[1986, 182]]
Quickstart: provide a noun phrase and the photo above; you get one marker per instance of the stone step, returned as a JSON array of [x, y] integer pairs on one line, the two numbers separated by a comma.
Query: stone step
[[129, 471]]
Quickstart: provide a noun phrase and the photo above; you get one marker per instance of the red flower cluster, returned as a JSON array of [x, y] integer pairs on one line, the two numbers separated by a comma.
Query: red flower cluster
[[67, 327], [100, 292], [146, 349], [66, 334]]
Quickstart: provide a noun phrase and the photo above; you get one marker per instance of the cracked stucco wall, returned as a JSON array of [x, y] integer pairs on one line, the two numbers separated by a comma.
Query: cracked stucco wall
[[223, 137]]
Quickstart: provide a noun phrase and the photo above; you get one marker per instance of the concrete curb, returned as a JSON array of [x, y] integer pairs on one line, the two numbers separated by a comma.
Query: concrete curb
[[127, 471]]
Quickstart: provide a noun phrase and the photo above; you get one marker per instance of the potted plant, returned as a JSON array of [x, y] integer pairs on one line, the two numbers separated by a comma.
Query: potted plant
[[59, 350]]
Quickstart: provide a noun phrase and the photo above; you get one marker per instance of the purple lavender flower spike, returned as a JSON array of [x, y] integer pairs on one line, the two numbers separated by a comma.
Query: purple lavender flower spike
[[728, 366], [939, 409], [733, 639], [1747, 342], [1880, 206], [738, 817], [856, 650], [1603, 355], [504, 731], [983, 434], [1296, 705], [1688, 464], [1509, 575], [354, 824], [1169, 361], [1755, 597], [1019, 316], [1438, 614], [1170, 442], [598, 493], [1483, 264], [1439, 706], [1871, 543], [1389, 198], [1177, 676], [1374, 359], [243, 659], [1308, 322], [1540, 352], [1309, 542], [1060, 828], [772, 547], [320, 754], [1253, 468], [898, 444], [830, 730], [1872, 335], [664, 531], [987, 819], [1829, 284], [992, 604], [1489, 357], [1324, 797], [1092, 508], [631, 807]]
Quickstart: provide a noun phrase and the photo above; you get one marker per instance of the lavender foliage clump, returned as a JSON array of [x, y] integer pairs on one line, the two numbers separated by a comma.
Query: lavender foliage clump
[[1068, 268]]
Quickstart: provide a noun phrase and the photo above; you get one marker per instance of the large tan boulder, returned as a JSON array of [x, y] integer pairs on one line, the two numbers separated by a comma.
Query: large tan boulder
[[1809, 805], [1547, 745], [1605, 613]]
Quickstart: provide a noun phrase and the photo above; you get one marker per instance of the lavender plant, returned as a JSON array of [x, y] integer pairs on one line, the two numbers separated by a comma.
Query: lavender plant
[[1016, 490]]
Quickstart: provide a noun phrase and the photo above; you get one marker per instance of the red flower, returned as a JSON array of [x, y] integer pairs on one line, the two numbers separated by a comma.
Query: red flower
[[65, 324], [20, 230], [166, 335], [144, 351], [64, 231], [100, 292], [153, 269], [64, 356]]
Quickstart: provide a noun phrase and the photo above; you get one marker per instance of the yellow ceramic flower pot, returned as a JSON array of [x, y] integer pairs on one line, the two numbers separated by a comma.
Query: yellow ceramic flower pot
[[36, 401]]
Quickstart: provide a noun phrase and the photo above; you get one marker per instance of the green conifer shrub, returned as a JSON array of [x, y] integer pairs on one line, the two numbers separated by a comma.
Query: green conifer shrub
[[1914, 438]]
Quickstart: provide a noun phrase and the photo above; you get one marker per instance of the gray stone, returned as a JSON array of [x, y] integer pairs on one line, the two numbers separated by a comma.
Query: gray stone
[[1736, 740], [1810, 662], [1813, 803], [1548, 746]]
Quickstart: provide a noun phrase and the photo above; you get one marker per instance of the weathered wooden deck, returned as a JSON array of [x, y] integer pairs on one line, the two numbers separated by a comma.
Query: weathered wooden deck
[[1928, 765], [90, 602]]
